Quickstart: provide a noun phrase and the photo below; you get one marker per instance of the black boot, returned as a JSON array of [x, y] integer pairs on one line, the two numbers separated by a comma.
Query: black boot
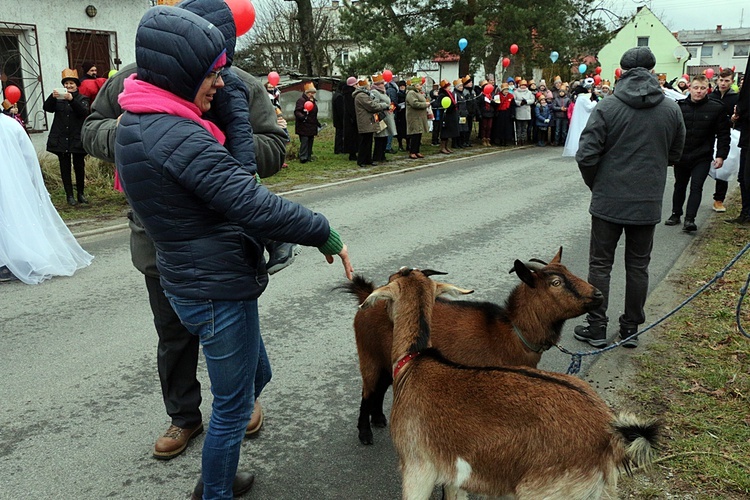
[[673, 220], [82, 199], [71, 200], [624, 334], [280, 255], [596, 335], [689, 226]]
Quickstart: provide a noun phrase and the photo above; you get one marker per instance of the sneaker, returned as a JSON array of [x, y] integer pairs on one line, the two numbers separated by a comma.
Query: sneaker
[[689, 226], [673, 220], [624, 334], [596, 335], [281, 257], [719, 206], [174, 441]]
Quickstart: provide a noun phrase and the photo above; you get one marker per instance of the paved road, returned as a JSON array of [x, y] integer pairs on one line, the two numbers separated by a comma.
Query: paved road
[[80, 405]]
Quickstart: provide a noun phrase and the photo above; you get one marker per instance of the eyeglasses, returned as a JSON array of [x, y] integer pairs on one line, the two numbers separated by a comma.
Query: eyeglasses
[[216, 74]]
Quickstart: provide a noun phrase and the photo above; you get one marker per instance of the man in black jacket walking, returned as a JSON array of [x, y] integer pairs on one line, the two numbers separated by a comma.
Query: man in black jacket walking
[[728, 97], [705, 122]]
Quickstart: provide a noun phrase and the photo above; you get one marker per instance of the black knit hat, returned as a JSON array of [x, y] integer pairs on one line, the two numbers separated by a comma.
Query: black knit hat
[[87, 65], [638, 57]]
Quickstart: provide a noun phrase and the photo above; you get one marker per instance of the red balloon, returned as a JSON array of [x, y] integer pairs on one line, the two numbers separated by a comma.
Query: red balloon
[[273, 78], [487, 90], [598, 70], [686, 77], [244, 15], [506, 62], [309, 105], [513, 48], [387, 75], [12, 93], [709, 73], [618, 73], [423, 80], [733, 67], [597, 79]]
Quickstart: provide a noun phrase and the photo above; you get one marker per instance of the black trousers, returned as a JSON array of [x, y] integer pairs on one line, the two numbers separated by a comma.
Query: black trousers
[[176, 360], [722, 187], [338, 141], [744, 179], [639, 241], [694, 174], [80, 169], [414, 142], [380, 146], [305, 147], [436, 125], [364, 153]]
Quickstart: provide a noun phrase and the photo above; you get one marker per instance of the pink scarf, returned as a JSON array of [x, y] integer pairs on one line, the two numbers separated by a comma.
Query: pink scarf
[[141, 97]]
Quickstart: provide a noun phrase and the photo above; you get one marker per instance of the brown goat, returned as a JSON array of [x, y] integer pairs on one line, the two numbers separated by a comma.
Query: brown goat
[[473, 333], [497, 431]]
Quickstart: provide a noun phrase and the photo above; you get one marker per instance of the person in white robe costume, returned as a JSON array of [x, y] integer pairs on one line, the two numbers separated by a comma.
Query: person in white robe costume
[[35, 243], [584, 105]]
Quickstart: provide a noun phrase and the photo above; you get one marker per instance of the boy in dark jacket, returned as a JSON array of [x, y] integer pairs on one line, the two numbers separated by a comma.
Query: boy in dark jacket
[[705, 122]]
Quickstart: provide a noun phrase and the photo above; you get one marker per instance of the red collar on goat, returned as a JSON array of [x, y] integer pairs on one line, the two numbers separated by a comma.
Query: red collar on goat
[[403, 361]]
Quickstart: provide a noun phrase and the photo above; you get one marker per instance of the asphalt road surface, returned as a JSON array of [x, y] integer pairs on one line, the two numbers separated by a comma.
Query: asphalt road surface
[[80, 405]]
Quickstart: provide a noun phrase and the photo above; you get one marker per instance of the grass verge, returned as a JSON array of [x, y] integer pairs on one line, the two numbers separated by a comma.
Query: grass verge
[[696, 377]]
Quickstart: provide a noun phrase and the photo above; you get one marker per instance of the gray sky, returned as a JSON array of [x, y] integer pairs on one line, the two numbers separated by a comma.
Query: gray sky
[[676, 14]]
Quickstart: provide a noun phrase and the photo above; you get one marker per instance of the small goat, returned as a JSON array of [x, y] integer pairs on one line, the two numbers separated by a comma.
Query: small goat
[[499, 430], [473, 333]]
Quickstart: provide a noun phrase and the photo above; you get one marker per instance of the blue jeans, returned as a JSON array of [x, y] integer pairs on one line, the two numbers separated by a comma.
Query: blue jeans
[[561, 130], [229, 332]]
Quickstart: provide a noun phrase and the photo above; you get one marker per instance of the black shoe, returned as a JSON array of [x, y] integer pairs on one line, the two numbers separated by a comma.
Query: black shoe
[[673, 220], [281, 255], [82, 199], [6, 275], [742, 220], [596, 335], [624, 334], [72, 201], [689, 226], [243, 481]]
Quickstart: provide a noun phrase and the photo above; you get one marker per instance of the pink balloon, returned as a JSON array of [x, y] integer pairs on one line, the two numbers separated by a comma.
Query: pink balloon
[[513, 49], [309, 105], [12, 93], [387, 75], [273, 78], [244, 15], [506, 62], [709, 73]]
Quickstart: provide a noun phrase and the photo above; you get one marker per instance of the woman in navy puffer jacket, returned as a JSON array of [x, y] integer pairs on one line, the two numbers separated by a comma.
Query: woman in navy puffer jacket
[[205, 212]]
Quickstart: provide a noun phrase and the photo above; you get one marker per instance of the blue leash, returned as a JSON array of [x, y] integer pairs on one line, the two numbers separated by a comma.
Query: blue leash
[[577, 357]]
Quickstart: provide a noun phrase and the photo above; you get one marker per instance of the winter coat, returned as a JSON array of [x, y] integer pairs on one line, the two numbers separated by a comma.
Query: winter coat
[[390, 120], [401, 113], [507, 102], [625, 148], [706, 123], [306, 122], [367, 105], [351, 137], [391, 90], [337, 109], [543, 113], [558, 103], [472, 102], [416, 112], [487, 106], [463, 112], [202, 208], [449, 123], [523, 111], [65, 133]]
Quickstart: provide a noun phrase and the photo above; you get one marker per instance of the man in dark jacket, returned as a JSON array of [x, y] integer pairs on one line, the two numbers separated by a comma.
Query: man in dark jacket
[[337, 113], [741, 119], [623, 155], [351, 137], [728, 97], [706, 123], [177, 354], [205, 212]]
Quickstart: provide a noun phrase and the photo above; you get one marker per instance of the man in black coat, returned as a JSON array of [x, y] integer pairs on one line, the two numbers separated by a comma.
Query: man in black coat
[[351, 137], [741, 119], [728, 97], [337, 110], [705, 123]]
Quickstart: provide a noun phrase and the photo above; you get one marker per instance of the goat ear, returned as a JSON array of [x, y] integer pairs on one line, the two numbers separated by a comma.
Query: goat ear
[[524, 273], [453, 291], [382, 293], [558, 257]]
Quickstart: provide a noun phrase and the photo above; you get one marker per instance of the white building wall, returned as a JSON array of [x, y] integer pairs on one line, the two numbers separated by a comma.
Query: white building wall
[[54, 17]]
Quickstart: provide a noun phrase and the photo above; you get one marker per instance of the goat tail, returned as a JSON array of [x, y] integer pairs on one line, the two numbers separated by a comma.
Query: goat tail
[[640, 438], [358, 286]]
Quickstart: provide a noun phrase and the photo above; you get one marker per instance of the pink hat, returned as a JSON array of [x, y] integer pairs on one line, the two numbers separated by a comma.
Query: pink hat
[[351, 81]]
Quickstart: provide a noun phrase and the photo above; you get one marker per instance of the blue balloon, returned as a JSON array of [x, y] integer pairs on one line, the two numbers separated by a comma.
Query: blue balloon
[[554, 55], [463, 43], [582, 68]]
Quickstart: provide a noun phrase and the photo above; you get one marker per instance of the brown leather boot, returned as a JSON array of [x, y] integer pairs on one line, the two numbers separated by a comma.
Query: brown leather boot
[[174, 441], [256, 420]]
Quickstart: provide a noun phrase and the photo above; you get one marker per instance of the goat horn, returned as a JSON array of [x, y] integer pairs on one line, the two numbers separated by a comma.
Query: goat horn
[[540, 261], [432, 272], [533, 264]]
